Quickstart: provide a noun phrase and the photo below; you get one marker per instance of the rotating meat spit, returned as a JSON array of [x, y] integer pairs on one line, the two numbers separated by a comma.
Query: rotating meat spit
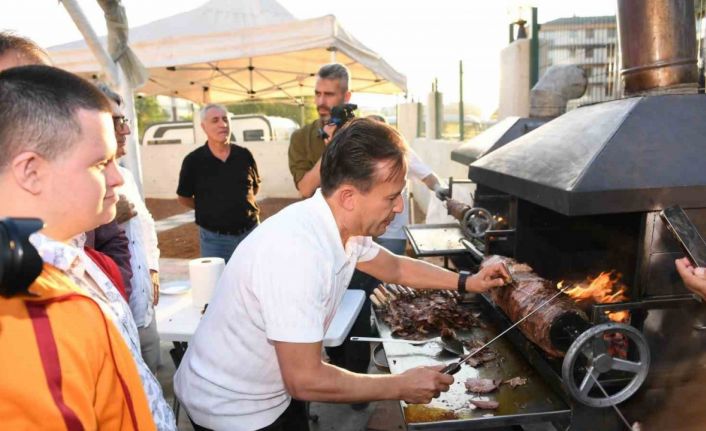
[[562, 329]]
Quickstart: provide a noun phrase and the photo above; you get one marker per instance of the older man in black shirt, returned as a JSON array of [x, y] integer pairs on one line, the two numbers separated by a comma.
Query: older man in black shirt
[[220, 180]]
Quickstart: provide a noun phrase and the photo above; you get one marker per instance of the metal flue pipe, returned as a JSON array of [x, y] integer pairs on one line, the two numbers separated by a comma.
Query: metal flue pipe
[[658, 45]]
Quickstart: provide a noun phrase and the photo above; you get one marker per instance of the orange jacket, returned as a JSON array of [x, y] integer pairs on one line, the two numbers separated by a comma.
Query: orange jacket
[[63, 365]]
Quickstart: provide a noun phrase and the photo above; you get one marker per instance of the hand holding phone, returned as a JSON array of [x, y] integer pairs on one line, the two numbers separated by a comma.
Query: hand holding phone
[[686, 234]]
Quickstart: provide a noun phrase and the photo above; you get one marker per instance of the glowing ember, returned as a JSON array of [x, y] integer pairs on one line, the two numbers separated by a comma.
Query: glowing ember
[[604, 289]]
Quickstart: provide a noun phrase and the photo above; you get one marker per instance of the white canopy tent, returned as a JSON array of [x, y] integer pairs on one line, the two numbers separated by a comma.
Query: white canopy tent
[[233, 50]]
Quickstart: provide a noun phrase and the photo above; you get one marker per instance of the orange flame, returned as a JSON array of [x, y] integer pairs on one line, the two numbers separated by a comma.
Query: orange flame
[[604, 289]]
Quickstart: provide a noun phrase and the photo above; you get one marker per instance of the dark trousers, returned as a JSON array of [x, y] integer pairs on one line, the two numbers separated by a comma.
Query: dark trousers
[[292, 419], [355, 356]]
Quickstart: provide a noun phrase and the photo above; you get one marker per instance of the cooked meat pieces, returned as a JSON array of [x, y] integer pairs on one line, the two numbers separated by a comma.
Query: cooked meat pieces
[[415, 317], [485, 405], [516, 381], [481, 386]]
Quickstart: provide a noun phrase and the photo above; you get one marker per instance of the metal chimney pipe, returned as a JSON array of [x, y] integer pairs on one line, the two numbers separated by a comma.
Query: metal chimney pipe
[[658, 45]]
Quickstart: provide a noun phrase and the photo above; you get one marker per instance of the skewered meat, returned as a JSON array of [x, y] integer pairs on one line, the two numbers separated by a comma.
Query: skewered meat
[[524, 295], [516, 381], [481, 386], [414, 317], [485, 405]]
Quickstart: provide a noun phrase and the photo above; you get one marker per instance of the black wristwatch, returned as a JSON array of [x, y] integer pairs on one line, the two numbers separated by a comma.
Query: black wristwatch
[[462, 276]]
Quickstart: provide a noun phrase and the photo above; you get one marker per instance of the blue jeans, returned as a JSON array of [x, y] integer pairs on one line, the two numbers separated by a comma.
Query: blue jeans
[[220, 245]]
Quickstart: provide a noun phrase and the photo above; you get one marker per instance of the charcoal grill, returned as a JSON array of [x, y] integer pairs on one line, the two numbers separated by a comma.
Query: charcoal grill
[[582, 193]]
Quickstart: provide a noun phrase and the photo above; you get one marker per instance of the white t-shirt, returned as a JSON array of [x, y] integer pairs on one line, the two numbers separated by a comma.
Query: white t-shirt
[[283, 283], [417, 170]]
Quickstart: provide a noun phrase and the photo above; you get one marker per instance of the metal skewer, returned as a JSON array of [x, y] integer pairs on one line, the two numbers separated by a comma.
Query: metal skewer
[[617, 410], [452, 369]]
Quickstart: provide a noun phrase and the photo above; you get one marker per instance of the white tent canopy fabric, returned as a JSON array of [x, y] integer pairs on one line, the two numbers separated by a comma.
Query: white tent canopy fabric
[[234, 50]]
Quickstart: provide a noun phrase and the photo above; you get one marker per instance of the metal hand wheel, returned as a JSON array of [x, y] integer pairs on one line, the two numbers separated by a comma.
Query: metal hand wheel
[[588, 358], [476, 222]]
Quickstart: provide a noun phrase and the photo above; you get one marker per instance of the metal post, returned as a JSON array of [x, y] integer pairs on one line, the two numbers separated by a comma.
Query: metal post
[[461, 124], [534, 50], [131, 160], [512, 36], [117, 79], [91, 38]]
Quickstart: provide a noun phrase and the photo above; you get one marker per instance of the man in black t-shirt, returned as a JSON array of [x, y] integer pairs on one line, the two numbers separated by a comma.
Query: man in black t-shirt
[[220, 180]]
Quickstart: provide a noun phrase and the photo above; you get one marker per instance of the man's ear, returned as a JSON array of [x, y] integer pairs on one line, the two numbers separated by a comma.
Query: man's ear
[[346, 196], [27, 169], [347, 97]]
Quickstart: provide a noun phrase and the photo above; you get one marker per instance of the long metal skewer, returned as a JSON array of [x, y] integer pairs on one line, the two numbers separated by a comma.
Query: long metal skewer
[[617, 410], [456, 366]]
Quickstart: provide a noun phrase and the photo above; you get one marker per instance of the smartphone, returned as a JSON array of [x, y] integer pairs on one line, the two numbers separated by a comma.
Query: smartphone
[[686, 234]]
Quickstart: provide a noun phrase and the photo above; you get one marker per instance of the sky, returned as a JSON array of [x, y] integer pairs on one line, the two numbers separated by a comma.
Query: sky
[[423, 39]]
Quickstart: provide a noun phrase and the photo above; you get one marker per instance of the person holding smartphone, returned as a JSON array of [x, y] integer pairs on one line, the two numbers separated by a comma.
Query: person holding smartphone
[[694, 278]]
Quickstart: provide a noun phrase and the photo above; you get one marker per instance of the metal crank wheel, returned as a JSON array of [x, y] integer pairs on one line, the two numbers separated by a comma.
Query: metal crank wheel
[[589, 357], [476, 221]]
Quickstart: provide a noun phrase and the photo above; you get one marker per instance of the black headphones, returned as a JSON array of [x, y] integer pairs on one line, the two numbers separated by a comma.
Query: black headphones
[[20, 263]]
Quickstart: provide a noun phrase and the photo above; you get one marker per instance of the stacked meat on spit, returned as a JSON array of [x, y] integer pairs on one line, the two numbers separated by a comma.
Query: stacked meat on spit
[[529, 291]]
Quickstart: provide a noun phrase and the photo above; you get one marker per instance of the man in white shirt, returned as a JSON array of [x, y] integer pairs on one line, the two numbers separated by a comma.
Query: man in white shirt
[[257, 350], [142, 243]]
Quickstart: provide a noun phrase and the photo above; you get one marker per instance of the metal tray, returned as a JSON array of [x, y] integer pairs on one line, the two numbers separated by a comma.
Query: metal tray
[[534, 402], [435, 239]]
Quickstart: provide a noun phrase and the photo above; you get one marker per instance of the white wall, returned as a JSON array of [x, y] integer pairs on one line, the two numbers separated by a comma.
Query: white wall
[[514, 80], [161, 165], [437, 154]]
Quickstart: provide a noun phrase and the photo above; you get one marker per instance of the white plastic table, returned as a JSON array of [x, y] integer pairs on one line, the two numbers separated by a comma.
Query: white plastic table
[[177, 318]]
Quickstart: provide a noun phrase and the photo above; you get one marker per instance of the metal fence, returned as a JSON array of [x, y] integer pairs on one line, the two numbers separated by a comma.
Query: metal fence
[[592, 44]]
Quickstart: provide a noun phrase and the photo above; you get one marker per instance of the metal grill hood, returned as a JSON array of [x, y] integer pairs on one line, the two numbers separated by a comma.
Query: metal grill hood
[[635, 154]]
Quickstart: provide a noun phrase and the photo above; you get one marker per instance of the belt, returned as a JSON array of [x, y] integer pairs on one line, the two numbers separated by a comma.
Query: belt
[[230, 232]]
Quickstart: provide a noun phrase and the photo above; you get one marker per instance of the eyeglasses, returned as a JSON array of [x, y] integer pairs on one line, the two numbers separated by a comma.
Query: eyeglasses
[[120, 121]]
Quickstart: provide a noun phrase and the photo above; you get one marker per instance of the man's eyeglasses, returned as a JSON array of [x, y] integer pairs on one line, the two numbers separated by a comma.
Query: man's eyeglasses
[[120, 121]]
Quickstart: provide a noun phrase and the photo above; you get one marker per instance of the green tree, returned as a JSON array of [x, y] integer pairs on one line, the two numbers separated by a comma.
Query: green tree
[[278, 109], [148, 111]]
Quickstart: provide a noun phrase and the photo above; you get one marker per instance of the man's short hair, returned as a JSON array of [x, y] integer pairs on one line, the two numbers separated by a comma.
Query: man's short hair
[[205, 109], [109, 93], [338, 72], [355, 151], [25, 47], [38, 107]]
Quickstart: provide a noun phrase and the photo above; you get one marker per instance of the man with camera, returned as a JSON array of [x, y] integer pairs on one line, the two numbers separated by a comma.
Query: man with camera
[[307, 144], [63, 356]]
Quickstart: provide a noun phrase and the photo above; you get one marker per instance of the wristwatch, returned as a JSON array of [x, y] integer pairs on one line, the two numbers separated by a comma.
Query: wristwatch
[[462, 276]]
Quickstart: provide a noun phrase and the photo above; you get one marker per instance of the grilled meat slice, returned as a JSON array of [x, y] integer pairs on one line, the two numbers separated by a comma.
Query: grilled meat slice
[[485, 405], [481, 386], [516, 381]]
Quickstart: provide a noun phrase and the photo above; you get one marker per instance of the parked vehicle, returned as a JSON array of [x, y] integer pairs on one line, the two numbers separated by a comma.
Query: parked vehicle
[[244, 128]]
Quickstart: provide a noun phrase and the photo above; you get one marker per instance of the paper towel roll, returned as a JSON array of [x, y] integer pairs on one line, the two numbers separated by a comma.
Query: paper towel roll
[[203, 275]]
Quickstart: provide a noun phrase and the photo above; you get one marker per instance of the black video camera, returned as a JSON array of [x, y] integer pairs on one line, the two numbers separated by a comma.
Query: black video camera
[[339, 116], [20, 263]]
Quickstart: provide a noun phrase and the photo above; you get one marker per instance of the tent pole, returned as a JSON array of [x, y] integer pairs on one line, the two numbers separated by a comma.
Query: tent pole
[[91, 39], [131, 160], [117, 80]]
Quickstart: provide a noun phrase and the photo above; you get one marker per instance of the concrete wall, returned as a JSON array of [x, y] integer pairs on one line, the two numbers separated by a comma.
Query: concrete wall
[[514, 80], [408, 120], [161, 165], [437, 154]]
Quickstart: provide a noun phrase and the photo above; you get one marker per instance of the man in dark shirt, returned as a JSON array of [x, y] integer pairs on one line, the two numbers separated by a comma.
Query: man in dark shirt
[[306, 145], [220, 180]]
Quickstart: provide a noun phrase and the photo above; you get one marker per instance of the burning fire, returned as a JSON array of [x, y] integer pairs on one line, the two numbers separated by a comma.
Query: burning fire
[[604, 289]]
